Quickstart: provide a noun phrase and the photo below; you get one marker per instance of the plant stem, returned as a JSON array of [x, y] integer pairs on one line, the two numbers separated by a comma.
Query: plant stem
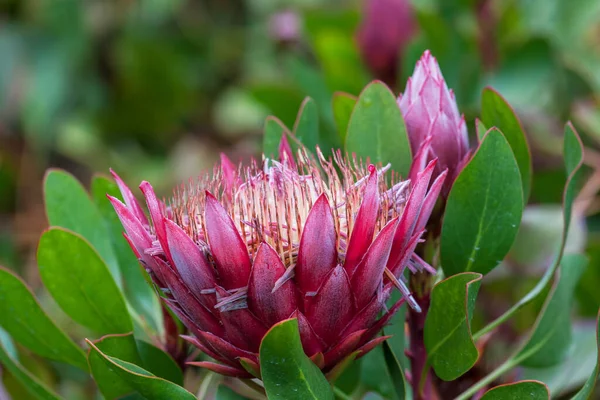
[[341, 395], [501, 370], [421, 378]]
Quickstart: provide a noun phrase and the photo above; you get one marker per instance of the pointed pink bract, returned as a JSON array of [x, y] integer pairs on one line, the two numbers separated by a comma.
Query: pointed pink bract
[[226, 245], [268, 305], [364, 226], [317, 254]]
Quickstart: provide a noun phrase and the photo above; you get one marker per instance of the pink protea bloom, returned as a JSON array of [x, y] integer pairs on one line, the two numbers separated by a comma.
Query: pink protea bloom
[[435, 126], [247, 247]]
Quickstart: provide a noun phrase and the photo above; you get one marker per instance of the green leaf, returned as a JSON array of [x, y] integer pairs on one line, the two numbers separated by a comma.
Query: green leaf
[[306, 128], [123, 347], [451, 350], [376, 129], [552, 329], [496, 112], [23, 318], [29, 381], [550, 340], [80, 282], [573, 155], [224, 393], [481, 129], [287, 372], [283, 101], [484, 209], [159, 363], [126, 348], [374, 374], [274, 130], [68, 205], [140, 380], [532, 390], [343, 104], [137, 290], [588, 388], [395, 370]]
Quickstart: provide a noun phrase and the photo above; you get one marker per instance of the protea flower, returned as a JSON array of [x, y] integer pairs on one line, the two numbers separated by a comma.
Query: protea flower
[[434, 124], [245, 248]]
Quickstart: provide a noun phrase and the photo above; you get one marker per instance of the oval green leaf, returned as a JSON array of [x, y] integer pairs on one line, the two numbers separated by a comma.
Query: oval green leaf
[[496, 112], [69, 206], [274, 130], [159, 363], [80, 282], [451, 350], [550, 340], [124, 348], [23, 318], [484, 209], [531, 390], [286, 371], [29, 381], [139, 379], [481, 129], [343, 104], [573, 156], [306, 127], [377, 130], [137, 290]]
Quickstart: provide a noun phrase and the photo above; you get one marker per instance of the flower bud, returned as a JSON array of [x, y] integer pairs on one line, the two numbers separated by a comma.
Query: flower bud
[[432, 119]]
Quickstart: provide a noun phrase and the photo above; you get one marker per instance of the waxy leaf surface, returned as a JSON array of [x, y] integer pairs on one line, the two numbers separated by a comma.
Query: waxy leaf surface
[[140, 380], [377, 130], [496, 112], [484, 209], [343, 104], [573, 156], [306, 128], [126, 348], [532, 390], [79, 281], [23, 318], [450, 348], [68, 205], [286, 371]]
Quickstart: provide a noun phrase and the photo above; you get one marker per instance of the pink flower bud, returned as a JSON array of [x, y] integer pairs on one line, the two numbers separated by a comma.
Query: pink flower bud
[[432, 118]]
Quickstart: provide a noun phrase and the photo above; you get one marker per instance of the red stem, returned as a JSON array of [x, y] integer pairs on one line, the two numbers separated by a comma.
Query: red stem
[[416, 323]]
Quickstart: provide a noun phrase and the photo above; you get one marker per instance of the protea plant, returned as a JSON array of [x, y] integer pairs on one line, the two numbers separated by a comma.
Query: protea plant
[[433, 121], [320, 240]]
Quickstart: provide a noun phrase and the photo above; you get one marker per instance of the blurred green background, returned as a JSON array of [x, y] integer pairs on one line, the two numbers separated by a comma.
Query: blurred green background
[[156, 89]]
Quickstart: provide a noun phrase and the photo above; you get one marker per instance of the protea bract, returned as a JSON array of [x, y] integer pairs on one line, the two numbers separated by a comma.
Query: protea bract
[[323, 241]]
